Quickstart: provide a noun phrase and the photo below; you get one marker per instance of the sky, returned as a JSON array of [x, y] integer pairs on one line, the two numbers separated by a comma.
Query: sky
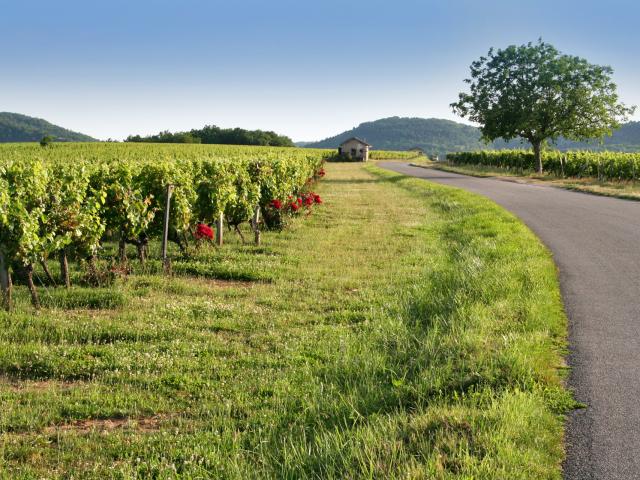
[[308, 69]]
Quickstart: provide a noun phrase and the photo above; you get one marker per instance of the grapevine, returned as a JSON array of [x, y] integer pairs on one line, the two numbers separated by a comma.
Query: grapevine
[[65, 200]]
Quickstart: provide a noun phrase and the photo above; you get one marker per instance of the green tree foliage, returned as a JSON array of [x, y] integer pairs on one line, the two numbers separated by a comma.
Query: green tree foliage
[[211, 134], [536, 93]]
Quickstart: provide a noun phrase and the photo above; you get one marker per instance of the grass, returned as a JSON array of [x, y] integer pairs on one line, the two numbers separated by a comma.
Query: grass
[[404, 330], [626, 189]]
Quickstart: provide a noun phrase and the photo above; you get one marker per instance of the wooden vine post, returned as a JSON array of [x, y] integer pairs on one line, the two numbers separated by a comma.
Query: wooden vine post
[[64, 269], [255, 224], [599, 172], [219, 228], [166, 264], [35, 300], [5, 282]]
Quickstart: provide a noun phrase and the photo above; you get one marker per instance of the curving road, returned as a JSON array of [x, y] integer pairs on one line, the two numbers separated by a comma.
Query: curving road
[[596, 245]]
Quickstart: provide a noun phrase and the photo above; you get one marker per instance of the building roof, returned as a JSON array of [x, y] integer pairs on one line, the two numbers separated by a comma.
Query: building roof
[[357, 140]]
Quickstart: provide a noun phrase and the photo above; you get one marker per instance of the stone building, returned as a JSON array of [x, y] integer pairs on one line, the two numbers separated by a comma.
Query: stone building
[[355, 148]]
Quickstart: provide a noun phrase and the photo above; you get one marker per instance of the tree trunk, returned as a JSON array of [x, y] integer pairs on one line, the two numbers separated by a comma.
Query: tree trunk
[[64, 269], [32, 288], [5, 282], [142, 246], [237, 228], [47, 272], [537, 153], [184, 243], [122, 250], [92, 267], [142, 252]]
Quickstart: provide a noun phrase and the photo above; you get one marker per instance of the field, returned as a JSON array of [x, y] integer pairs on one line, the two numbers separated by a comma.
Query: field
[[402, 330]]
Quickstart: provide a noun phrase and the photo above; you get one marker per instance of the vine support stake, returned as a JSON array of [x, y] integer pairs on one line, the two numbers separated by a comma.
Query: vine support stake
[[599, 174], [35, 300], [255, 224], [165, 231], [219, 227], [64, 269], [5, 282]]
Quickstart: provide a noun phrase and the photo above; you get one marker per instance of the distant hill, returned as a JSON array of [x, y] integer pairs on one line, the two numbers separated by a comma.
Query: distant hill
[[439, 136], [432, 135], [625, 139], [15, 127]]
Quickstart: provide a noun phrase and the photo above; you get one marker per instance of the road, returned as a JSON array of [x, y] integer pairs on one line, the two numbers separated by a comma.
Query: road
[[596, 245]]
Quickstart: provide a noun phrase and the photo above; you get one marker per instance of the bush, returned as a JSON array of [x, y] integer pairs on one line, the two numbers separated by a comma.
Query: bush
[[46, 141]]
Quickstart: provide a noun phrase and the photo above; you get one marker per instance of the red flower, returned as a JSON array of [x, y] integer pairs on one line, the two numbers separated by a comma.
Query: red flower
[[299, 201], [321, 172], [277, 204], [316, 198], [308, 200], [203, 231], [294, 207]]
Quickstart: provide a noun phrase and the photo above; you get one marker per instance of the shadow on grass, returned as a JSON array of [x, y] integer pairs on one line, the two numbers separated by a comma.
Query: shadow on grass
[[387, 179], [77, 297], [204, 268]]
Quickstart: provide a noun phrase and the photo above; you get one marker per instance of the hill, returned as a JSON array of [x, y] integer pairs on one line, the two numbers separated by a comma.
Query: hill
[[439, 136], [625, 139], [433, 135], [15, 127]]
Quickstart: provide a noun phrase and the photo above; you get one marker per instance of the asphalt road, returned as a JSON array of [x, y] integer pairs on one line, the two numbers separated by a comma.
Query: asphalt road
[[596, 245]]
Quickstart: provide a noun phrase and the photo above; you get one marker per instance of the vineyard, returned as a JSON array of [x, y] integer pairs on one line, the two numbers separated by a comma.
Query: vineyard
[[63, 201], [392, 333], [577, 164], [394, 155]]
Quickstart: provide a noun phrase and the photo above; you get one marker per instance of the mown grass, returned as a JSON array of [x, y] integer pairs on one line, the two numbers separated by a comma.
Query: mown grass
[[404, 330], [626, 189]]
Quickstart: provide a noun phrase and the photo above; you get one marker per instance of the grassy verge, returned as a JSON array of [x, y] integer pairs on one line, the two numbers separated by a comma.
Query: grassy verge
[[620, 189], [406, 330]]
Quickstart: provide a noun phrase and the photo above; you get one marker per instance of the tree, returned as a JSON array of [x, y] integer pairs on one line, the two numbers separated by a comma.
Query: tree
[[211, 134], [46, 141], [536, 93]]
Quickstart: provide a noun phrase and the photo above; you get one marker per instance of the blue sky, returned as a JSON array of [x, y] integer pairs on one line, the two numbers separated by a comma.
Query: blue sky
[[307, 69]]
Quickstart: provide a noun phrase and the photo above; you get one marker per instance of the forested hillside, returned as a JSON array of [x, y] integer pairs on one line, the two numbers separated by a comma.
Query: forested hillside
[[15, 127], [433, 135], [437, 136]]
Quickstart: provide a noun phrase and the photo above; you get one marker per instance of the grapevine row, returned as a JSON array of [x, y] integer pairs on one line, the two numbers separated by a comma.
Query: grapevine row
[[601, 165], [64, 200], [394, 155]]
